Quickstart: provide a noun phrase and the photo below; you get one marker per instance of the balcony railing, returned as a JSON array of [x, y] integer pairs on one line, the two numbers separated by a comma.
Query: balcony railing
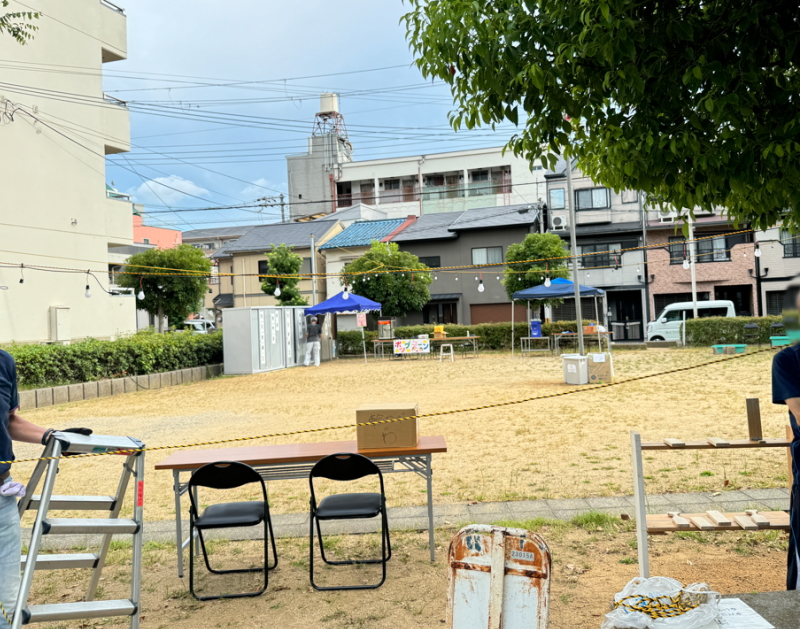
[[348, 199], [399, 195], [112, 6], [435, 193]]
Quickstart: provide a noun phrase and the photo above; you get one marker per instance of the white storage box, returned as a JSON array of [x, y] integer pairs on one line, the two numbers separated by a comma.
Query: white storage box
[[576, 368]]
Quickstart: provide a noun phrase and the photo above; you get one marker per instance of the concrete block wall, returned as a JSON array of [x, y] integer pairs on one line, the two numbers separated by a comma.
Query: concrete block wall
[[48, 396]]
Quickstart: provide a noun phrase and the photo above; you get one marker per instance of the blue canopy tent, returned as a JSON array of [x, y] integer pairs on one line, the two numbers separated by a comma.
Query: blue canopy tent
[[559, 288], [345, 303]]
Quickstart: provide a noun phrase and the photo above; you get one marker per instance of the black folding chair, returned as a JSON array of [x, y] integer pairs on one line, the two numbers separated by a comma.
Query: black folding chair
[[777, 329], [348, 467], [229, 475]]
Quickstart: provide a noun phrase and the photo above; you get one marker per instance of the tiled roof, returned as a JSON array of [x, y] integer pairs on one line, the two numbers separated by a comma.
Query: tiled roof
[[262, 237], [217, 232], [429, 227], [362, 233], [501, 216]]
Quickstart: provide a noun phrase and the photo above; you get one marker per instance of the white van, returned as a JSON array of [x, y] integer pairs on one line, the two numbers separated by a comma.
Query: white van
[[667, 327]]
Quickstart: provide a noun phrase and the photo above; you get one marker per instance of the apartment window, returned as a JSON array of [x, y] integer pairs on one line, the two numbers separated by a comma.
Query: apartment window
[[391, 184], [263, 267], [231, 272], [677, 249], [306, 266], [432, 262], [487, 255], [209, 246], [591, 199], [630, 196], [604, 255], [791, 244], [713, 250], [146, 241], [557, 199], [495, 180], [213, 280], [775, 302], [344, 194]]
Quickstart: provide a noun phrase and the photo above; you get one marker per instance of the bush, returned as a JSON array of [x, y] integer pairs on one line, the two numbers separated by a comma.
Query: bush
[[725, 330], [138, 354], [493, 335]]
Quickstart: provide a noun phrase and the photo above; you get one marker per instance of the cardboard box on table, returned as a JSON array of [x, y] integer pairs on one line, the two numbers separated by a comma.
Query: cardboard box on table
[[601, 368], [390, 435]]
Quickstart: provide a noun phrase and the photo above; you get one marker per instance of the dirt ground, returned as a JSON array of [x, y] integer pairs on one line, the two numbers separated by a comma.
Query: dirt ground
[[573, 446], [591, 561]]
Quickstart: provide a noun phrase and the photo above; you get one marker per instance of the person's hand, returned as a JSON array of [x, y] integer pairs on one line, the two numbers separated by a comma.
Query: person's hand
[[13, 488], [50, 433]]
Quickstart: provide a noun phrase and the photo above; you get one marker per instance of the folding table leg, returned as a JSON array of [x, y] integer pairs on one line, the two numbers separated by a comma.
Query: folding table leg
[[176, 485], [429, 479]]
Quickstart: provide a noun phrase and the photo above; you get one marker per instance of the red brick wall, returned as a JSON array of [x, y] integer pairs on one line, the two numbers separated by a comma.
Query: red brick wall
[[673, 278]]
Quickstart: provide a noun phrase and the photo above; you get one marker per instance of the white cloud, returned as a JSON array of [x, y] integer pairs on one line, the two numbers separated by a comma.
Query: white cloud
[[261, 187], [172, 190]]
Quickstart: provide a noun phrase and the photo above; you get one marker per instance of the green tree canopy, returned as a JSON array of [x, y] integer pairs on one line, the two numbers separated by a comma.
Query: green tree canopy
[[693, 102], [398, 293], [17, 24], [284, 261], [171, 292], [529, 274]]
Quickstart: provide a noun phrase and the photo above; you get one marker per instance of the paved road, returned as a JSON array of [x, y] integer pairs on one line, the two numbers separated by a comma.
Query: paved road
[[409, 518]]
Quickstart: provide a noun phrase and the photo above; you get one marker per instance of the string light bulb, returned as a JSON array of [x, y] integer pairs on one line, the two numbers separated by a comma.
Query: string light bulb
[[140, 296], [88, 293], [547, 281], [685, 263], [481, 287], [757, 252], [436, 277], [346, 292], [498, 278], [277, 292], [21, 274]]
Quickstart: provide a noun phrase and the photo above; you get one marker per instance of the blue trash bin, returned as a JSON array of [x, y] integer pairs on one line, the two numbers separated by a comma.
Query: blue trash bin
[[536, 329]]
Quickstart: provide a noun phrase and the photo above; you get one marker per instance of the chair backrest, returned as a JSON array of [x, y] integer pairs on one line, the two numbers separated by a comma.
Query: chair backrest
[[344, 466], [224, 475], [751, 326]]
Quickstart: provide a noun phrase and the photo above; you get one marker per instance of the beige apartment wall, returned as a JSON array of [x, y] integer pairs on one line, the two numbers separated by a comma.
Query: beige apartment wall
[[247, 287], [53, 207]]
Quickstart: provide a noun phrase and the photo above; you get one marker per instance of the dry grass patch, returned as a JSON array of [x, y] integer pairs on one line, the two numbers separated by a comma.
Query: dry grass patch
[[592, 559], [563, 447]]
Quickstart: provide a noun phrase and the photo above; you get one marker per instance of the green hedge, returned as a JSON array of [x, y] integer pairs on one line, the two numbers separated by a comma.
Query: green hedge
[[725, 330], [141, 353], [493, 335]]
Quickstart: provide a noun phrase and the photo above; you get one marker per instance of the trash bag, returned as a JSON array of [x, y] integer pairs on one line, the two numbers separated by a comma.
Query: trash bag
[[670, 596]]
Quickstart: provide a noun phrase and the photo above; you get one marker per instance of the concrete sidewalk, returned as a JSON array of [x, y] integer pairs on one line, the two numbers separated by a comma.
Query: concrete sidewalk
[[410, 518]]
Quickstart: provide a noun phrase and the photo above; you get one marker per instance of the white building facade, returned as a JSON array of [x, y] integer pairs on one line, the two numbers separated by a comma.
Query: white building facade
[[54, 211], [325, 179]]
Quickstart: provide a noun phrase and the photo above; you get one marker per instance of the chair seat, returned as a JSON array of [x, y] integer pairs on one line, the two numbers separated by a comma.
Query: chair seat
[[231, 514], [345, 506]]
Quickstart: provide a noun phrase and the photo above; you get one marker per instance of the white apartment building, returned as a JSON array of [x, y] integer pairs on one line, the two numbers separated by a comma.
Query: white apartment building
[[325, 179], [56, 127]]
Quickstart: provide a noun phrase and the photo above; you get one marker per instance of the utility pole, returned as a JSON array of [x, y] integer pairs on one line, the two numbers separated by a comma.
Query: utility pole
[[692, 260], [278, 201], [313, 271], [646, 309], [573, 242]]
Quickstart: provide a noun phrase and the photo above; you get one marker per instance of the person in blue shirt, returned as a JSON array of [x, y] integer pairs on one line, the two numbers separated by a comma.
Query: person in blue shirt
[[786, 390], [12, 427]]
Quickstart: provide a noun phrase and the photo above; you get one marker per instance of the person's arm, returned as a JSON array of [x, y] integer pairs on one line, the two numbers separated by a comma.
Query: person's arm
[[794, 405], [20, 429]]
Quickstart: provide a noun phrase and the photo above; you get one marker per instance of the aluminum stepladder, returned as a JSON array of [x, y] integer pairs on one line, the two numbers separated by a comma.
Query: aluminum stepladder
[[106, 527]]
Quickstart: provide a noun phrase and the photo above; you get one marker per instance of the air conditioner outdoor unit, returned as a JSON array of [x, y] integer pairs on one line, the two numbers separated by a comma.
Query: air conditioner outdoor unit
[[559, 223]]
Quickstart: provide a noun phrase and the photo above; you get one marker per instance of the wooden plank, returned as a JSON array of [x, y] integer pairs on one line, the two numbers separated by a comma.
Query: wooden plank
[[745, 522], [718, 443], [674, 443], [662, 523], [735, 443], [702, 523], [756, 517], [754, 419], [291, 453], [680, 522], [718, 518]]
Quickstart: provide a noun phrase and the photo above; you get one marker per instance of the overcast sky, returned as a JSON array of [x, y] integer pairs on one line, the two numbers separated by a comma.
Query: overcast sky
[[223, 145]]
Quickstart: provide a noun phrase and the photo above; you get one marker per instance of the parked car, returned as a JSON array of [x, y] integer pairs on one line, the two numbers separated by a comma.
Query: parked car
[[667, 327], [198, 326]]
